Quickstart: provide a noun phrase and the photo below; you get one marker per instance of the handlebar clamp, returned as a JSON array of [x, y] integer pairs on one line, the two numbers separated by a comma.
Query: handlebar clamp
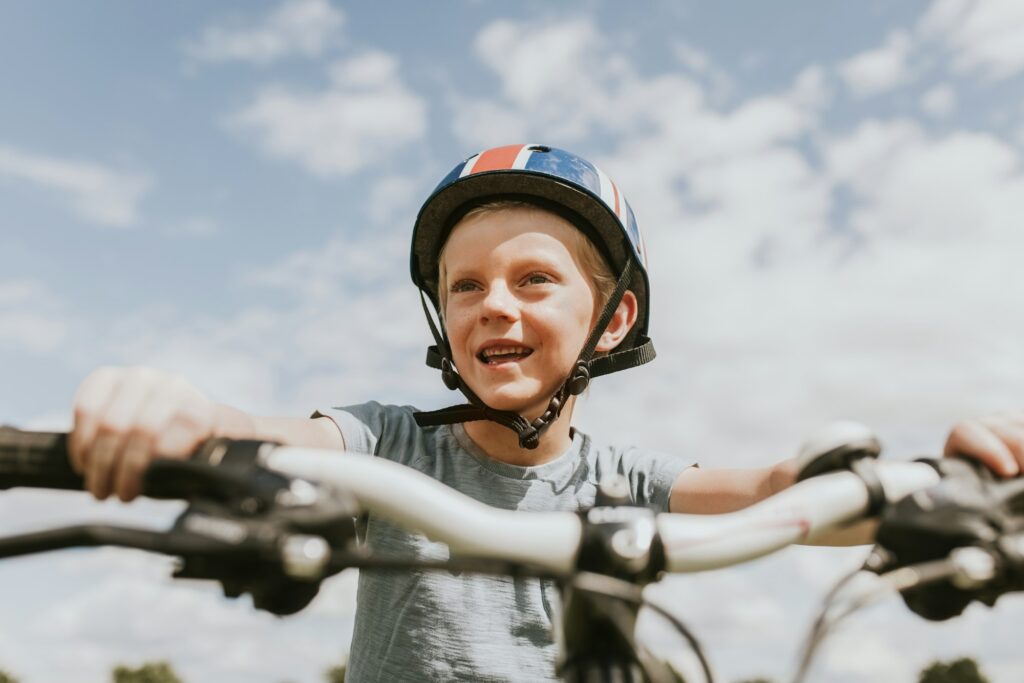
[[845, 446]]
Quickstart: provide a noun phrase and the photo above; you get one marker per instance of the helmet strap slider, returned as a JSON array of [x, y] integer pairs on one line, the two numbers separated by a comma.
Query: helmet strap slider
[[579, 379], [448, 374]]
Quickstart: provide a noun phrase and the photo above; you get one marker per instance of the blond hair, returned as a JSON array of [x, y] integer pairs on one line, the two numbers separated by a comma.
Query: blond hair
[[589, 258]]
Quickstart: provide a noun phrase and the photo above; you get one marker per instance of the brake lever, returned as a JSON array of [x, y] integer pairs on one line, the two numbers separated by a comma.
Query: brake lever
[[274, 537], [969, 508]]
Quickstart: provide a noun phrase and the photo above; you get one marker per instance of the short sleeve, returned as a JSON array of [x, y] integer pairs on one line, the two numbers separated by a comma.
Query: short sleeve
[[651, 476], [376, 429]]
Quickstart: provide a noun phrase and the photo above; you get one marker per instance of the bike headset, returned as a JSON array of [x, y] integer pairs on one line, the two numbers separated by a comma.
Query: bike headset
[[573, 188]]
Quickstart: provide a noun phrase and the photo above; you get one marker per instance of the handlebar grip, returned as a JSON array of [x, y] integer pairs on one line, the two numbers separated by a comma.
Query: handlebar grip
[[36, 459]]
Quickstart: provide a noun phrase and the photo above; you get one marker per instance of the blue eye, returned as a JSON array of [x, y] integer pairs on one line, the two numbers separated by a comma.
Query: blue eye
[[462, 286], [537, 279]]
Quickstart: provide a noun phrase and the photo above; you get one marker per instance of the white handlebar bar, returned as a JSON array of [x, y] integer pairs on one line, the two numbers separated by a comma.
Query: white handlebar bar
[[550, 540]]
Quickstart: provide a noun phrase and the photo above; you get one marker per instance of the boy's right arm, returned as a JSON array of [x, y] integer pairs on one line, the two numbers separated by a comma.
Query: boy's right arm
[[126, 417]]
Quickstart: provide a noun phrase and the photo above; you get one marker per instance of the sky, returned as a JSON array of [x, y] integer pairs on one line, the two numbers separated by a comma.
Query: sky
[[830, 194]]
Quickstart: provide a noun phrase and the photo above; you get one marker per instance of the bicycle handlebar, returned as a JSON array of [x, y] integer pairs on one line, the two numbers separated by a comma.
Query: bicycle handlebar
[[545, 540], [551, 539], [37, 460]]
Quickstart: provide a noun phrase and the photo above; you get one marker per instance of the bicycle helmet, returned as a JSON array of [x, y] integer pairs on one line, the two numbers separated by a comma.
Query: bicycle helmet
[[576, 190]]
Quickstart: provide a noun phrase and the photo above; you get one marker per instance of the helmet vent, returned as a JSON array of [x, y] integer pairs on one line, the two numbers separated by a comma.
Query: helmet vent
[[540, 148]]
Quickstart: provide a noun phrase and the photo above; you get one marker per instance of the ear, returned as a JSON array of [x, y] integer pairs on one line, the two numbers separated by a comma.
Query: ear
[[621, 323]]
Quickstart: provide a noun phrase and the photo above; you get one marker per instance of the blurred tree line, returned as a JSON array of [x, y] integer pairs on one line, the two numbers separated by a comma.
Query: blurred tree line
[[963, 670], [162, 672]]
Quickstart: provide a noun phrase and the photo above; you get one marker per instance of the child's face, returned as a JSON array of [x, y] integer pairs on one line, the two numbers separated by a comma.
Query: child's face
[[519, 306]]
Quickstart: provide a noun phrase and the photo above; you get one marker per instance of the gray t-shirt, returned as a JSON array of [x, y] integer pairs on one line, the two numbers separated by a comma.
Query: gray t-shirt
[[449, 626]]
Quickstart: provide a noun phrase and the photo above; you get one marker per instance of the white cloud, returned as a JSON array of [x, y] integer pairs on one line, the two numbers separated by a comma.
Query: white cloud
[[357, 314], [556, 82], [305, 27], [964, 188], [351, 330], [96, 193], [878, 70], [868, 655], [35, 509], [811, 89], [549, 60], [984, 37], [486, 124], [128, 611], [229, 359], [366, 114], [26, 292], [367, 70], [939, 101], [395, 199], [692, 57], [30, 317], [592, 88], [342, 264], [197, 226], [31, 331], [699, 63]]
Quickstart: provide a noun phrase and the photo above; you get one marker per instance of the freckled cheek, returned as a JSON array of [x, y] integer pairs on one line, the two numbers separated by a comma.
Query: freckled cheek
[[458, 329], [563, 316], [564, 329]]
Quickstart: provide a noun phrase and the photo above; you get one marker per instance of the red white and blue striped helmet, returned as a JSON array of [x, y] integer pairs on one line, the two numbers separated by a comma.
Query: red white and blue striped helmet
[[553, 178]]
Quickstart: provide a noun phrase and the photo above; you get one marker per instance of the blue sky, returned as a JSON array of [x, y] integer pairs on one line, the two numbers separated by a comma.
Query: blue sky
[[831, 195]]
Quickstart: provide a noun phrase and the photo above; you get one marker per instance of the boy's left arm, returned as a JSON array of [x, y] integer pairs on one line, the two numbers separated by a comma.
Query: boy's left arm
[[996, 440]]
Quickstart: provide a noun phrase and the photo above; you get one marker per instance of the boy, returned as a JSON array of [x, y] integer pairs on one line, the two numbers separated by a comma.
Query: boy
[[537, 273]]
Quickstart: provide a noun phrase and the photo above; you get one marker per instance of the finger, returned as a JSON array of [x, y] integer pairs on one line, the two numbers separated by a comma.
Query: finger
[[100, 460], [1012, 436], [117, 421], [92, 395], [135, 458], [974, 439], [140, 446]]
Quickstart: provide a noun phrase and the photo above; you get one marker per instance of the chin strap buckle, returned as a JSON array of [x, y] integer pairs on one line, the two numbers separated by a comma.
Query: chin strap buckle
[[530, 438]]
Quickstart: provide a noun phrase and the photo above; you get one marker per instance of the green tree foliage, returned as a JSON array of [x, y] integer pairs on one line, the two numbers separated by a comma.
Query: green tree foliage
[[963, 670], [151, 672], [336, 674], [7, 678]]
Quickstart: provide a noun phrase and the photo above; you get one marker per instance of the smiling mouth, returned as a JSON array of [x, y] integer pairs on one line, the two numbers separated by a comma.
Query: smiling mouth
[[500, 355]]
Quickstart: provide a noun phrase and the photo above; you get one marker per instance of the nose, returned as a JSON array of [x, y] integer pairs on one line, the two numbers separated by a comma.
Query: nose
[[499, 303]]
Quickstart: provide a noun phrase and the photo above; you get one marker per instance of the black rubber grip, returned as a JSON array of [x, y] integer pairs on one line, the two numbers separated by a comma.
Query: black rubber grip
[[36, 459]]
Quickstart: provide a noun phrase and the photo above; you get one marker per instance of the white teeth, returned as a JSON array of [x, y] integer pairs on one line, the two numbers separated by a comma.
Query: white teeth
[[503, 351]]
